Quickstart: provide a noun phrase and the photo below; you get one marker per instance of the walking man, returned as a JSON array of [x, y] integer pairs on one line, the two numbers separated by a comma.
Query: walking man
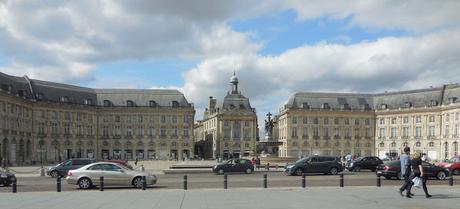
[[406, 173]]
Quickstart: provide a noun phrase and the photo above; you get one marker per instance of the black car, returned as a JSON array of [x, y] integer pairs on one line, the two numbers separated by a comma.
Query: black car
[[6, 178], [393, 169], [364, 163], [61, 169], [234, 165], [315, 164]]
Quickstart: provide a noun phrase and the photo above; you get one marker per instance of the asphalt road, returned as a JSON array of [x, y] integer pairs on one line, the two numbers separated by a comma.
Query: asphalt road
[[209, 180]]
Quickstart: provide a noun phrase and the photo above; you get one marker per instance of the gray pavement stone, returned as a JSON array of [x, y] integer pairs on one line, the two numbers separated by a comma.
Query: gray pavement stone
[[286, 198]]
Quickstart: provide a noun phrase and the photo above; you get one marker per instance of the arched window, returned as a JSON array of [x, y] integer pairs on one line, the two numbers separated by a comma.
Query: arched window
[[65, 99], [393, 144], [175, 104], [405, 144], [107, 103], [418, 144], [88, 101], [446, 150], [152, 103], [431, 144], [129, 103], [382, 144]]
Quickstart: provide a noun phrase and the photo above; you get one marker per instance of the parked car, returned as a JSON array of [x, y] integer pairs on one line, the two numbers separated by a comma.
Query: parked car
[[70, 164], [315, 164], [237, 165], [114, 175], [6, 178], [121, 162], [364, 163], [393, 169], [453, 164]]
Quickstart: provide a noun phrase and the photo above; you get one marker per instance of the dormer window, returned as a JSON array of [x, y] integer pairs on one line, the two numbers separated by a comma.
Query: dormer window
[[40, 96], [383, 106], [88, 101], [129, 103], [408, 104], [107, 103], [242, 106], [433, 103], [175, 104], [366, 107], [452, 100], [5, 87], [305, 105], [65, 99], [152, 103], [325, 106], [345, 106], [21, 93]]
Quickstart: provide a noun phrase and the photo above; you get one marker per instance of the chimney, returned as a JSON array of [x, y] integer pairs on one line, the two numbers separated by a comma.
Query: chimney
[[212, 103]]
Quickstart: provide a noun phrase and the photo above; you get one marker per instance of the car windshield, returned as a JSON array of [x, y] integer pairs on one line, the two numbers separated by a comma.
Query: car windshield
[[454, 160], [303, 160], [124, 167], [359, 158]]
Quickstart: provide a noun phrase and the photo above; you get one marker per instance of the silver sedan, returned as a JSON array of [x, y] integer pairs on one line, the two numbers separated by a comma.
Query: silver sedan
[[113, 173]]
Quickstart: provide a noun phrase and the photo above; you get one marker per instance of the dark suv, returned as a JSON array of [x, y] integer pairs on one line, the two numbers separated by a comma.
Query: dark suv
[[234, 165], [364, 163], [315, 164], [70, 164]]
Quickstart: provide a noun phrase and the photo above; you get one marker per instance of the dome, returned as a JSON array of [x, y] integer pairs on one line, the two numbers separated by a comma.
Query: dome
[[234, 79]]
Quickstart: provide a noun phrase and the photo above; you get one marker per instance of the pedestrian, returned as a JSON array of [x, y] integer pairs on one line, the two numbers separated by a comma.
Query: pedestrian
[[406, 173], [348, 157], [253, 161], [417, 171], [257, 162], [135, 162]]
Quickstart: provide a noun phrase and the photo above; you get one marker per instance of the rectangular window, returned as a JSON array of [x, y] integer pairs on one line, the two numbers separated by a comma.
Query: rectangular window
[[163, 119], [405, 132], [226, 133], [67, 116], [446, 130], [294, 120], [418, 132], [152, 130], [447, 117], [367, 122], [247, 134], [382, 121], [117, 130], [305, 120], [174, 131], [54, 128], [336, 132], [315, 131], [431, 131], [347, 132], [382, 132], [393, 121], [418, 119], [41, 127], [406, 120], [457, 129], [356, 122], [393, 133], [294, 132], [78, 116], [326, 132], [128, 118], [140, 131], [105, 131], [326, 121], [357, 135], [66, 128], [236, 130], [315, 121], [431, 119], [141, 118], [368, 132], [186, 131], [163, 131], [305, 131], [79, 130], [90, 130], [186, 119], [174, 119]]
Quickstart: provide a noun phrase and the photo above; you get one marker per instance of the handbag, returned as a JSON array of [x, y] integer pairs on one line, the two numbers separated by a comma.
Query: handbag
[[417, 182]]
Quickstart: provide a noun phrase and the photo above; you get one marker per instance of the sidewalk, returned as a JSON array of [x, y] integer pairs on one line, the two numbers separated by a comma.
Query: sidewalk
[[349, 197]]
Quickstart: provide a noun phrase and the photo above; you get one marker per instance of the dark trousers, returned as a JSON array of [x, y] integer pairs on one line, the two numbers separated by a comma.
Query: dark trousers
[[407, 184], [424, 179]]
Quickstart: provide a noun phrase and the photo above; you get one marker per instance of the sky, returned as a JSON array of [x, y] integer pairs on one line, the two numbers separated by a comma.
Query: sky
[[276, 47]]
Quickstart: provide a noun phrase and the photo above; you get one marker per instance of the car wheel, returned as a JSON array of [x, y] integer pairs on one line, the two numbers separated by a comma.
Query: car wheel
[[137, 182], [221, 171], [298, 171], [441, 175], [85, 183], [400, 177], [357, 169], [456, 171], [54, 174], [333, 171], [248, 171], [387, 177]]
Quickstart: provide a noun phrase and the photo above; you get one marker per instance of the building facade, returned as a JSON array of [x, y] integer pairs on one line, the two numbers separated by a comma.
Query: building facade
[[228, 129], [46, 122], [427, 120]]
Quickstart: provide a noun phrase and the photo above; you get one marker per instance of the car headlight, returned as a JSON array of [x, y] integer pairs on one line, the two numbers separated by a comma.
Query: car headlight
[[214, 167], [289, 166], [351, 164], [4, 175]]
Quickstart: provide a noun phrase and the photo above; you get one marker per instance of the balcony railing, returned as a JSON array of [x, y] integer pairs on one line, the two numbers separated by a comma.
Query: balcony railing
[[315, 137], [347, 137], [336, 137], [41, 135], [326, 137], [305, 137]]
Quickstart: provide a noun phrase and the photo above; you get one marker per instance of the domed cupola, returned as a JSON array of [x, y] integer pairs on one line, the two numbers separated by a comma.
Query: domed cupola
[[234, 82]]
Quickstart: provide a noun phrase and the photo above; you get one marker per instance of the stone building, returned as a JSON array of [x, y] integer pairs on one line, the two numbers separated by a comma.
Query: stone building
[[44, 122], [228, 129], [426, 120]]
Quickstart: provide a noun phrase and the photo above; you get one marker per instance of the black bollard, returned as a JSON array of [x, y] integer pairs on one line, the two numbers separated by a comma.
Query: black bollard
[[58, 184], [265, 180], [225, 181], [304, 183], [144, 183], [14, 185], [101, 183], [451, 178], [185, 182], [379, 182], [268, 166], [341, 180]]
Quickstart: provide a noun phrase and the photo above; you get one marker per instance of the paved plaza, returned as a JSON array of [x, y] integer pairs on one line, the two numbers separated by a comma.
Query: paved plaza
[[350, 197]]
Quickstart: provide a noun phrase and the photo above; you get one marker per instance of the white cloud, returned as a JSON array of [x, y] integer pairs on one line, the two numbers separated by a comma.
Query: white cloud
[[412, 15], [386, 64]]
